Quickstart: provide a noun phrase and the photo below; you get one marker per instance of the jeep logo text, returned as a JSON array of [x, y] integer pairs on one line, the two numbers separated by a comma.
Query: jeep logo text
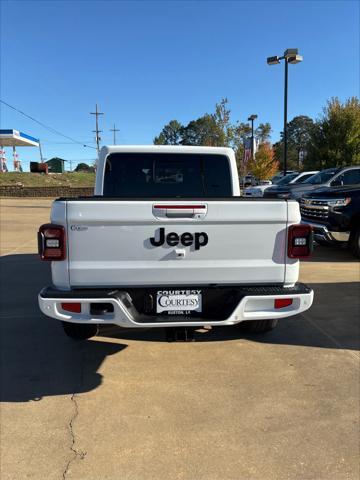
[[186, 239]]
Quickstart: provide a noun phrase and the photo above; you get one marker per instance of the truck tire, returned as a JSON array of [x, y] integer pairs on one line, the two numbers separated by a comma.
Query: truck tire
[[259, 326], [354, 242], [78, 331]]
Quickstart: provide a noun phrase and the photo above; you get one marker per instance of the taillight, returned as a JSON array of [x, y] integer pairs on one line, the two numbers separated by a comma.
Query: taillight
[[71, 307], [52, 242], [282, 302], [300, 241]]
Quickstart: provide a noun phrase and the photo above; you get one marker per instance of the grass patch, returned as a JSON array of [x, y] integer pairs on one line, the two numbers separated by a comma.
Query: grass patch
[[27, 179]]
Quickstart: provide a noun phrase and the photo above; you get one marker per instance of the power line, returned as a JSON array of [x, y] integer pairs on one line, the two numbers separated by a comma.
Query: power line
[[59, 143], [46, 126], [72, 160]]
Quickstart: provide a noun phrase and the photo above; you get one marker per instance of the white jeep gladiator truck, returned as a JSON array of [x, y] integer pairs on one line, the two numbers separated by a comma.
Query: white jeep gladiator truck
[[167, 241]]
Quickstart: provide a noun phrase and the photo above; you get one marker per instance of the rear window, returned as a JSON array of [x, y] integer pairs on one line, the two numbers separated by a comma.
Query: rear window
[[303, 178], [322, 177], [287, 179], [144, 175]]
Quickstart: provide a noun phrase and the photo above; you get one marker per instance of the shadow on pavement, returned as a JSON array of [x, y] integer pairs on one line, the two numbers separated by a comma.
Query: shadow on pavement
[[331, 254], [38, 360]]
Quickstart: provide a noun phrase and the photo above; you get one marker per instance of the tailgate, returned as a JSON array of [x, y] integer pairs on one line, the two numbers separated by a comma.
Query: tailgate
[[139, 243]]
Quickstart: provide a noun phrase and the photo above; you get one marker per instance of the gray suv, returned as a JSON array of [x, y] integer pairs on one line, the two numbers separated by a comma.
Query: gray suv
[[331, 177]]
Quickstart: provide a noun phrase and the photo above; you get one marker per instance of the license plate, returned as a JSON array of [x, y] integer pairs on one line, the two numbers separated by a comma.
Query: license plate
[[178, 302]]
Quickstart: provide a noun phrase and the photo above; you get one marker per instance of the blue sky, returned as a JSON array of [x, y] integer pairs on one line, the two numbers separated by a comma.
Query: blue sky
[[147, 62]]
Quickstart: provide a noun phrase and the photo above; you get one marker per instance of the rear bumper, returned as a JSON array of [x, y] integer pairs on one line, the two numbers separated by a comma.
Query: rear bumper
[[322, 232], [252, 303]]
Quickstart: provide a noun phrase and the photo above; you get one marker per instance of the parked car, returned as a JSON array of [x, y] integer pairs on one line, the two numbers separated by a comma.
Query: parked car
[[330, 177], [287, 182], [281, 175], [248, 180], [258, 190], [334, 214], [167, 241], [289, 179], [303, 176]]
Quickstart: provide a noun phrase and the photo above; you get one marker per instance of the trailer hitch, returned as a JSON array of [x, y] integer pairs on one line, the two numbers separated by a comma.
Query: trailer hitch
[[180, 334]]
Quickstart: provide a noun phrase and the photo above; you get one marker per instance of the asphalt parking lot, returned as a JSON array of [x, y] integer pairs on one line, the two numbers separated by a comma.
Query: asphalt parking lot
[[128, 405]]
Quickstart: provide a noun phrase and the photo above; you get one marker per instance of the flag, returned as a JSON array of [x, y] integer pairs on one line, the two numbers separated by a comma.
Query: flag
[[247, 151]]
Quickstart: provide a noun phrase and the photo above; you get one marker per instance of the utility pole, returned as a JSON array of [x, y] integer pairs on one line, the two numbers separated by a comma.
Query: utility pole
[[97, 131], [114, 130], [41, 156]]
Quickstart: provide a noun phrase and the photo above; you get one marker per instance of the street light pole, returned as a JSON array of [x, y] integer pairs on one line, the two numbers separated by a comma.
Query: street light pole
[[285, 115], [290, 56], [252, 138], [252, 118]]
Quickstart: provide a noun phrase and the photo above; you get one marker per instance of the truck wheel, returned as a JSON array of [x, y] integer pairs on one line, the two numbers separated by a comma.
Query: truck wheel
[[259, 326], [77, 331], [354, 242]]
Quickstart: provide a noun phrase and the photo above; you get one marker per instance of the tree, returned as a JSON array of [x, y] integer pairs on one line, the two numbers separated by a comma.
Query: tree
[[216, 130], [171, 134], [265, 165], [262, 133], [335, 140], [84, 167], [299, 134], [203, 131], [292, 155], [233, 135], [213, 130], [299, 131], [222, 120]]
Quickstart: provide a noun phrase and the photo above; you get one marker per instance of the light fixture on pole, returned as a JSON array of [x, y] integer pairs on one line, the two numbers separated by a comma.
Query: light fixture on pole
[[252, 118], [290, 56]]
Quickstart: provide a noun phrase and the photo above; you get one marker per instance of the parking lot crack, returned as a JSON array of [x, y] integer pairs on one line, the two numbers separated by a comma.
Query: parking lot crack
[[75, 453]]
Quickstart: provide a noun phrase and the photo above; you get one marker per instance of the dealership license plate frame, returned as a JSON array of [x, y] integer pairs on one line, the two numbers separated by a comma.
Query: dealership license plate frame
[[193, 302]]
